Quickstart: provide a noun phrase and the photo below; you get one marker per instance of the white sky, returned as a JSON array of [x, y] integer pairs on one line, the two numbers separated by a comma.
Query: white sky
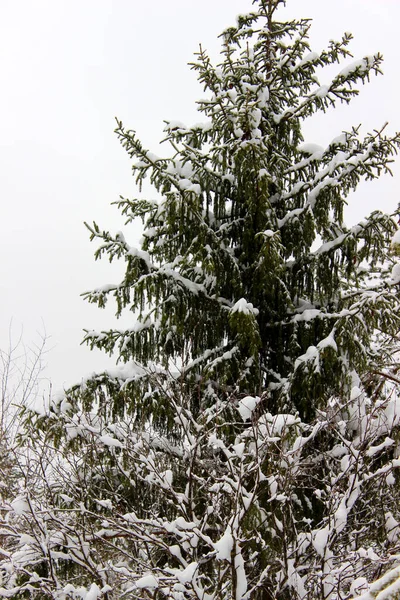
[[67, 68]]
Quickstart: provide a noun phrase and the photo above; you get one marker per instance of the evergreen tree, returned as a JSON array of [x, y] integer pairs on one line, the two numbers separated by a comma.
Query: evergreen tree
[[246, 261], [247, 446]]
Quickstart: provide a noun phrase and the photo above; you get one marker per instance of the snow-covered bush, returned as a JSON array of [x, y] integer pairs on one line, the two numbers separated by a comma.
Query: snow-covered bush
[[238, 502]]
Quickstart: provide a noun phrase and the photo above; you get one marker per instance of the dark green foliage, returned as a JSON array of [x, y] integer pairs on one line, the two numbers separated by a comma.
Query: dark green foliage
[[247, 213]]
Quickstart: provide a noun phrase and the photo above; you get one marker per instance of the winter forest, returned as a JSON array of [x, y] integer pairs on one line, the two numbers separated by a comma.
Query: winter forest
[[247, 443]]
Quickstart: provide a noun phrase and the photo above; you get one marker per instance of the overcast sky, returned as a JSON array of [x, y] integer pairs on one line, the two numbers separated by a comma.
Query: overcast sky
[[68, 67]]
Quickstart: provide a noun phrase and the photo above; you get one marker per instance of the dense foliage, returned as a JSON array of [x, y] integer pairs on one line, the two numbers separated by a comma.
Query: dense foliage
[[247, 444]]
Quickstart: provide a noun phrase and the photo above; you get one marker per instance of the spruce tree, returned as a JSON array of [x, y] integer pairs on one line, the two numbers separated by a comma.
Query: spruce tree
[[247, 275], [247, 445]]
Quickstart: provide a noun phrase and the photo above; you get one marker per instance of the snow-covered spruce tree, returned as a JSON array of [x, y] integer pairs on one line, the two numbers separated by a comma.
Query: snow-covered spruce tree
[[246, 262], [247, 445]]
